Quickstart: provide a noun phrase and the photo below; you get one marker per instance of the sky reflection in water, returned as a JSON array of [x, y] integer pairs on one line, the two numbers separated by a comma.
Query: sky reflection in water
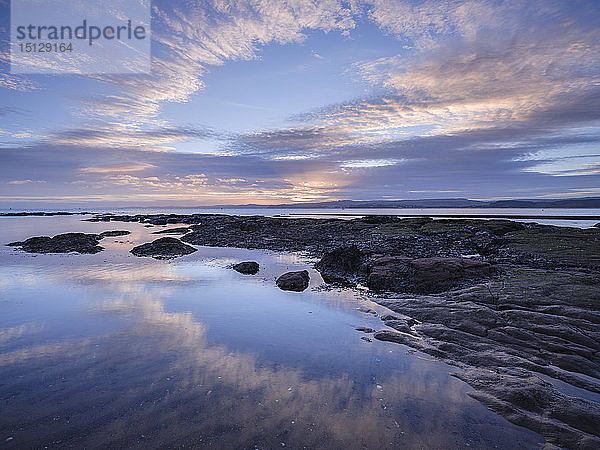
[[114, 350]]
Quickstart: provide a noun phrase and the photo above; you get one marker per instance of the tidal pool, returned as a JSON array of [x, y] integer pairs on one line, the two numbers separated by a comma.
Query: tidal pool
[[112, 350]]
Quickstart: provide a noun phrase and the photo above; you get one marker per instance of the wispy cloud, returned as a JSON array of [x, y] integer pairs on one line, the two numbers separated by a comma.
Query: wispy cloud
[[480, 96]]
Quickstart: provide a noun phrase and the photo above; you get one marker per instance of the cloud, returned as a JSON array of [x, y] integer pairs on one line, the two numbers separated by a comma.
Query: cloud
[[188, 40], [26, 181], [117, 168], [481, 97]]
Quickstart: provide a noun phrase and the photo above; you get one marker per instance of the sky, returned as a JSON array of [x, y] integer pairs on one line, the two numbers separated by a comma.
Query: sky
[[272, 102]]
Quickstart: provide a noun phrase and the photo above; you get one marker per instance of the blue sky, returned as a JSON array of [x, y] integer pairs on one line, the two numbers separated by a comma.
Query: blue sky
[[272, 102]]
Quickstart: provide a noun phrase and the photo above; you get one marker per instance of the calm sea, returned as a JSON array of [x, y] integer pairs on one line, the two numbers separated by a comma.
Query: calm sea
[[570, 214]]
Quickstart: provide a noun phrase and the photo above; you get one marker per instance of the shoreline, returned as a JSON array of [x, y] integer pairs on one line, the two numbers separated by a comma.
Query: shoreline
[[501, 300]]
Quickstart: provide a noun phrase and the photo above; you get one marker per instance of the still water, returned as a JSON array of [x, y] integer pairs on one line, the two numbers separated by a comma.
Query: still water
[[111, 350], [570, 217]]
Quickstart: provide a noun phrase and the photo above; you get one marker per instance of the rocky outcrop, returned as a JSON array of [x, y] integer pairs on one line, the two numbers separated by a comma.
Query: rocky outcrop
[[503, 333], [163, 248], [114, 233], [247, 267], [417, 237], [61, 243], [424, 275], [341, 265], [293, 281]]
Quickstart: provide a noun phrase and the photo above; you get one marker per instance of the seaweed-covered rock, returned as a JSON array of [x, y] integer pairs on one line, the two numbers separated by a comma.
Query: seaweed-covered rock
[[61, 243], [293, 281], [163, 248], [247, 267]]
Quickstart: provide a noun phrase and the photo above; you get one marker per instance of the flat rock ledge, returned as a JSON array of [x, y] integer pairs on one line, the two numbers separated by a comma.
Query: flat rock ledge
[[178, 230], [163, 248], [424, 275], [293, 281], [114, 233], [505, 335], [61, 243], [247, 267], [398, 273]]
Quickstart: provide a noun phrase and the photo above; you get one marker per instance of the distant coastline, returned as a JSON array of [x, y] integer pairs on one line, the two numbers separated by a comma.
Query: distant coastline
[[582, 202]]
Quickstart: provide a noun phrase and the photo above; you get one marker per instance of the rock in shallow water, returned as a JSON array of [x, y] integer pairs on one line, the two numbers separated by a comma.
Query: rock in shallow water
[[179, 230], [61, 243], [247, 267], [365, 329], [293, 281], [114, 233], [163, 248]]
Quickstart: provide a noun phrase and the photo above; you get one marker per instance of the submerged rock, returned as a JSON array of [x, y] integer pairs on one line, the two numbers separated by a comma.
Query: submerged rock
[[115, 233], [532, 402], [247, 267], [61, 243], [293, 281], [424, 275], [163, 248]]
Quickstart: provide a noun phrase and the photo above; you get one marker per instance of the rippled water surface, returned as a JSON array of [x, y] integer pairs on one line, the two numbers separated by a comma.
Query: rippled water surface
[[111, 350]]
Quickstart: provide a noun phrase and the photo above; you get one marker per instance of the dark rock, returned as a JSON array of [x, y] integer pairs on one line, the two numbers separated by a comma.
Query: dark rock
[[378, 219], [418, 237], [424, 275], [179, 230], [166, 247], [501, 227], [399, 325], [61, 243], [365, 329], [293, 281], [247, 267], [390, 317], [340, 265], [158, 221], [366, 339], [114, 233], [415, 222], [389, 273], [527, 400], [393, 336]]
